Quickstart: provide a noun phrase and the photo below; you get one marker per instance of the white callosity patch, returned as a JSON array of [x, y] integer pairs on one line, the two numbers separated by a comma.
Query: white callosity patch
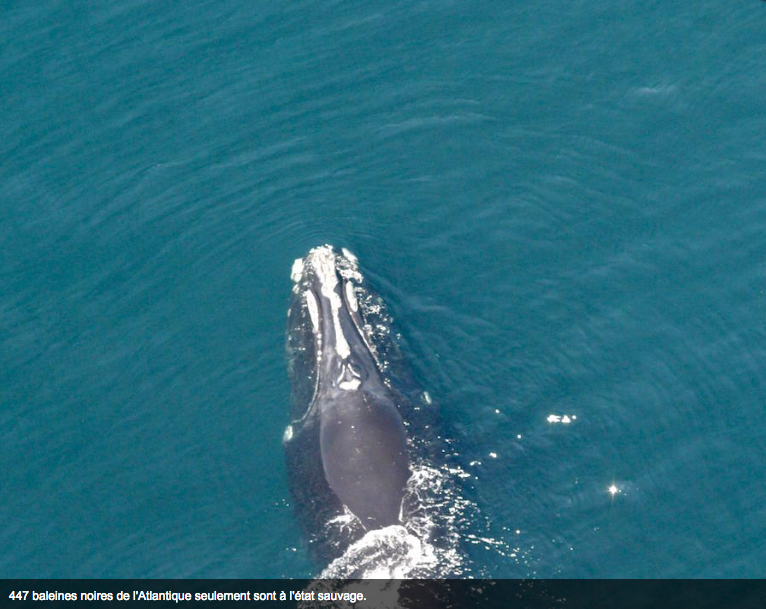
[[288, 435], [322, 260], [297, 271], [351, 385], [349, 256], [349, 266], [311, 303], [351, 297]]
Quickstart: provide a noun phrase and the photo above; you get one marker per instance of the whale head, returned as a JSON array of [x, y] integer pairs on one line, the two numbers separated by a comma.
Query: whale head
[[326, 284]]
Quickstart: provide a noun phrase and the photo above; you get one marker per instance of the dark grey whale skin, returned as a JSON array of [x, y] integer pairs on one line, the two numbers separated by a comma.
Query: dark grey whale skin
[[363, 452], [348, 447]]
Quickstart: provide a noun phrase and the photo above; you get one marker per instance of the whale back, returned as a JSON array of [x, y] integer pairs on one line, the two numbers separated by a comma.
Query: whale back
[[364, 454]]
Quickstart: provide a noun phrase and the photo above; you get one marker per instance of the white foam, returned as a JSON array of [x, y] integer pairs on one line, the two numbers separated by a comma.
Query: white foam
[[388, 553], [426, 545]]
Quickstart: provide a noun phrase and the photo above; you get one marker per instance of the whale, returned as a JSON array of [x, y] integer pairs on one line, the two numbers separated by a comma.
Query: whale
[[372, 473], [349, 445]]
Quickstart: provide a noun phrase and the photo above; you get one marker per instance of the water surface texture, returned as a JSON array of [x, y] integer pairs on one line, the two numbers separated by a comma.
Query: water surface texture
[[563, 205]]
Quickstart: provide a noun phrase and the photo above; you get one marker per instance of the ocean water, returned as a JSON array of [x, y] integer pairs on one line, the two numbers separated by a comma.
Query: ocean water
[[562, 204]]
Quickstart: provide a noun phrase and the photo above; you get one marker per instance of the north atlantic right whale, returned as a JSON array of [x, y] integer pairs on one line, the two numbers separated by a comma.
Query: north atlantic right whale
[[363, 445], [365, 465]]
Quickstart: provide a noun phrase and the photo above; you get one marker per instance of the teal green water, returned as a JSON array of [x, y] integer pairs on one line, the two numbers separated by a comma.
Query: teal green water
[[563, 204]]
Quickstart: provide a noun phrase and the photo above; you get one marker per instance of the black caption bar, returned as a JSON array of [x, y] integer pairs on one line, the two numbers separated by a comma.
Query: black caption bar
[[356, 594]]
